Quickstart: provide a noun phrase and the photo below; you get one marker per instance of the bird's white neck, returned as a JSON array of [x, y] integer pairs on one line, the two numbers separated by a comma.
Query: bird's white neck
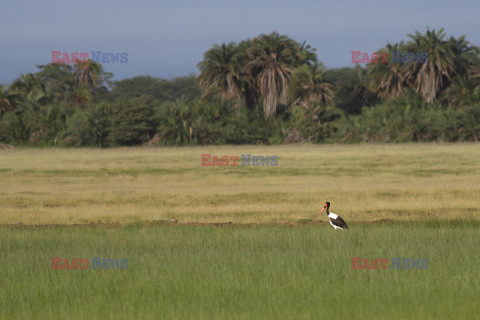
[[332, 215]]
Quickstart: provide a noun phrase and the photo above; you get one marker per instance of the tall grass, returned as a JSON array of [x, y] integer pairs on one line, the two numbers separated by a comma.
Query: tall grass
[[260, 272]]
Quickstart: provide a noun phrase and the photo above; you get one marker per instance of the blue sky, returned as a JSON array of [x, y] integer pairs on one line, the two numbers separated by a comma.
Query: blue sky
[[168, 38]]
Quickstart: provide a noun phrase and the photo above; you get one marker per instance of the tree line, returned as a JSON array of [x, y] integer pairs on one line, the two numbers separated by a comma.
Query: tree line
[[268, 90]]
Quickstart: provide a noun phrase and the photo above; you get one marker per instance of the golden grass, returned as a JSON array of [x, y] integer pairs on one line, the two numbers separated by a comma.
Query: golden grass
[[363, 183]]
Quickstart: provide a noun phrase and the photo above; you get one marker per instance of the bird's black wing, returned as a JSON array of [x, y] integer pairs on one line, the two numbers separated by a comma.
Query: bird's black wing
[[340, 223]]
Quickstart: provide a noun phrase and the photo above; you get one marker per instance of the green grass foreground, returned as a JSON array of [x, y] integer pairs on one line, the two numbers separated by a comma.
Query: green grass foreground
[[363, 183], [240, 272]]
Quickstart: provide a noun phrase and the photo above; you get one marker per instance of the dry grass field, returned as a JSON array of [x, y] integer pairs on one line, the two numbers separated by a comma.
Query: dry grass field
[[363, 183]]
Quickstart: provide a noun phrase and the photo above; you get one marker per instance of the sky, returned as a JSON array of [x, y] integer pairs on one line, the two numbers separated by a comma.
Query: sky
[[168, 38]]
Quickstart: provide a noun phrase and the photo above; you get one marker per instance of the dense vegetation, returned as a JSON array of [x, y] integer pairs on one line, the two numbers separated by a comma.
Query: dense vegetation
[[269, 90]]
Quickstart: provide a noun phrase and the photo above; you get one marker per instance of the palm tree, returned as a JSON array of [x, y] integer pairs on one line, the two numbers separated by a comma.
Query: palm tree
[[307, 53], [26, 83], [360, 81], [177, 124], [31, 101], [474, 72], [221, 72], [6, 103], [273, 58], [465, 87], [80, 96], [309, 85], [249, 84], [466, 55], [463, 91], [88, 74], [388, 79], [25, 92], [433, 76]]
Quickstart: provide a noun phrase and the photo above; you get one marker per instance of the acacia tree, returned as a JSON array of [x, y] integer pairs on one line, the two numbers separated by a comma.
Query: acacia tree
[[58, 79], [132, 121], [355, 93]]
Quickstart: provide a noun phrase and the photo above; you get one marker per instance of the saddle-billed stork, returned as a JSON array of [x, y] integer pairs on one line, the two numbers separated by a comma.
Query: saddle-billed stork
[[336, 221]]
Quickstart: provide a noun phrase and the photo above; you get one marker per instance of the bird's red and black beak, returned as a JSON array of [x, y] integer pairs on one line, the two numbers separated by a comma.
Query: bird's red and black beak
[[324, 207]]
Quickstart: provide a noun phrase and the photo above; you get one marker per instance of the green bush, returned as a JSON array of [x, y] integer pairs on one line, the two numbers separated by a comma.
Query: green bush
[[12, 130], [201, 123], [468, 123], [313, 123], [133, 121], [196, 122], [37, 127], [89, 126], [246, 126], [410, 119]]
